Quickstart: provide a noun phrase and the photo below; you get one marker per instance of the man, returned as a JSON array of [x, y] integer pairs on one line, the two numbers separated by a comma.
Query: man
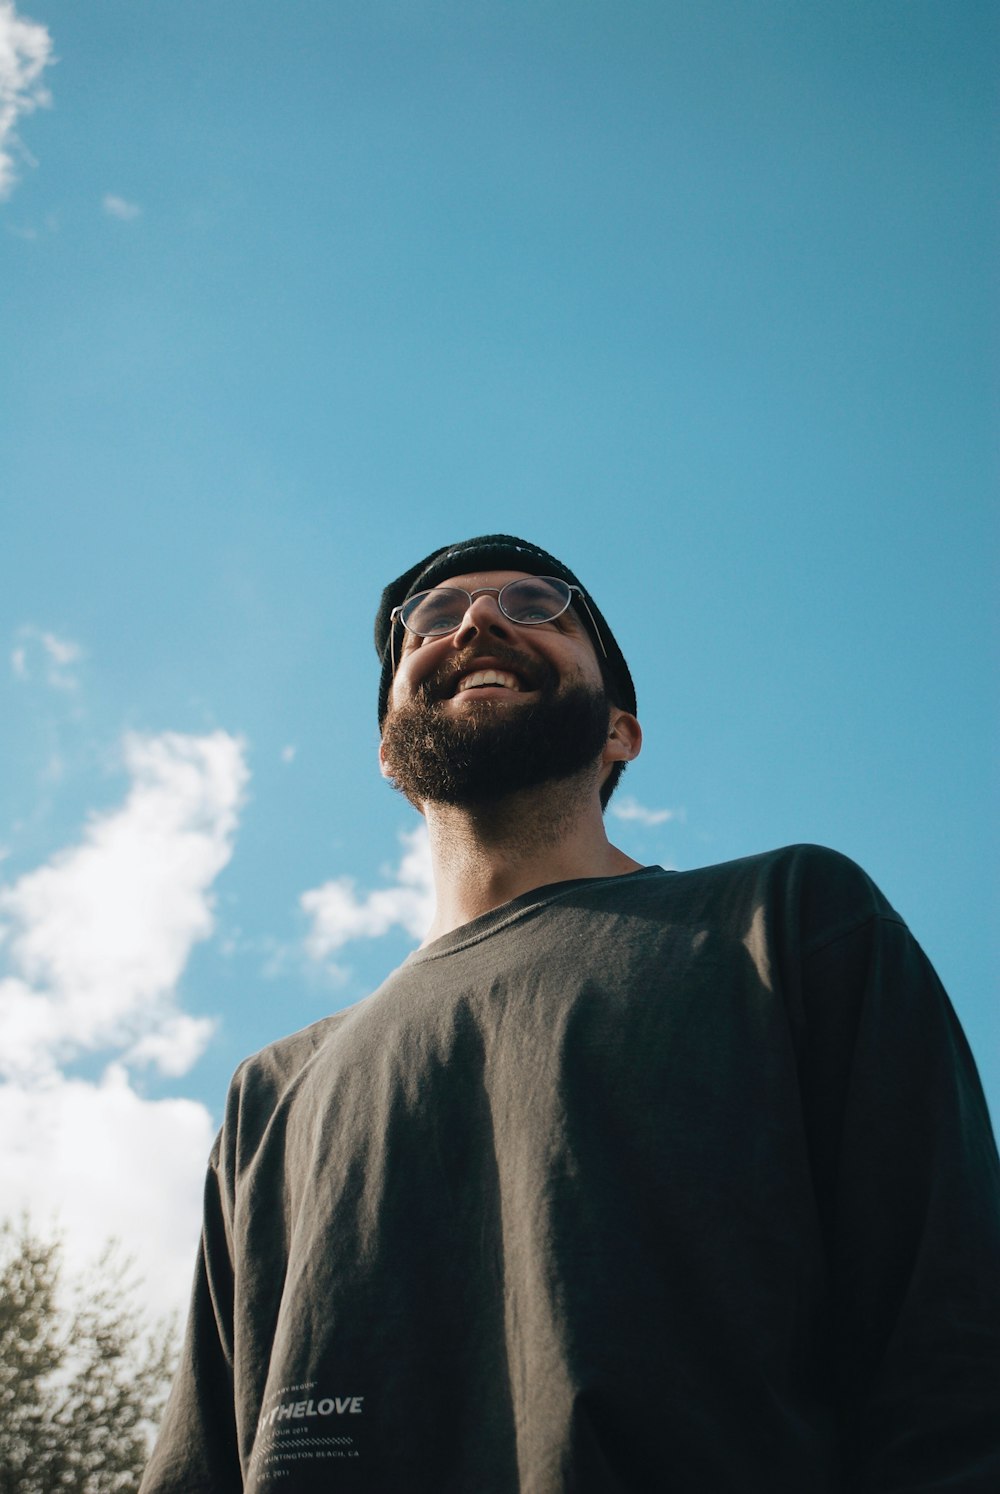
[[627, 1180]]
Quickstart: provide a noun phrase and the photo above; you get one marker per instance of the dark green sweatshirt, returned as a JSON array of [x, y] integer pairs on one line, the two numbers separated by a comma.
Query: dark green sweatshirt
[[676, 1181]]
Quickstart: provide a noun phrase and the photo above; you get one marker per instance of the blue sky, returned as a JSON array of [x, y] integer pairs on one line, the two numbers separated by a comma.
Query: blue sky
[[701, 296]]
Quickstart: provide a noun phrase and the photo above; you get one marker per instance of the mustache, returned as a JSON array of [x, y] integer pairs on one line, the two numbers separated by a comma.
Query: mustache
[[535, 674]]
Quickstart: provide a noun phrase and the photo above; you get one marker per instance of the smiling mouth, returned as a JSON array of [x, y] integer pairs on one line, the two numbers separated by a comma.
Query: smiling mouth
[[481, 679], [503, 673]]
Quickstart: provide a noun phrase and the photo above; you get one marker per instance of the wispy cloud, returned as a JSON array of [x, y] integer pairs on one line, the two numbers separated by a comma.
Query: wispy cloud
[[627, 808], [25, 52], [95, 941], [118, 207], [28, 231], [339, 914], [38, 651]]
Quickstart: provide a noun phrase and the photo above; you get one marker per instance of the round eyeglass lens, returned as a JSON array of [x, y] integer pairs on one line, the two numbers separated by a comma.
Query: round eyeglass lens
[[537, 599], [437, 611]]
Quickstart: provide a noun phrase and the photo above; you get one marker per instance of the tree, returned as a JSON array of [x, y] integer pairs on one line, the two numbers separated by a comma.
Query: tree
[[83, 1375]]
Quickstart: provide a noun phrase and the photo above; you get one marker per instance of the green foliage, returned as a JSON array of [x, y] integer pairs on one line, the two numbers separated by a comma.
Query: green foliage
[[83, 1376]]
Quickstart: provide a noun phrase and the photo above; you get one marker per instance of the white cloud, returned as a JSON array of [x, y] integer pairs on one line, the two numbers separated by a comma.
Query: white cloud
[[60, 650], [92, 946], [627, 808], [175, 1046], [98, 1160], [25, 52], [288, 753], [118, 207], [55, 657], [339, 915], [95, 941]]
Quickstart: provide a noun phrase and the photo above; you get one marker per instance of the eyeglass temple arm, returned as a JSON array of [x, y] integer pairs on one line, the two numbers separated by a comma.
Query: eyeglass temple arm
[[393, 620], [597, 631]]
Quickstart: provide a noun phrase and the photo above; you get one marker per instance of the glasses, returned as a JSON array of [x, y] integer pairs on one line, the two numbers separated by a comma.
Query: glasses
[[529, 602]]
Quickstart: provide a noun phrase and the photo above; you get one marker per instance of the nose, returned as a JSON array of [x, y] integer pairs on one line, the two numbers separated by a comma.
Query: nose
[[483, 615]]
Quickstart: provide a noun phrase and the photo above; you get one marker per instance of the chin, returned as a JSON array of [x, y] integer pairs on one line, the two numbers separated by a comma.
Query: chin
[[483, 751]]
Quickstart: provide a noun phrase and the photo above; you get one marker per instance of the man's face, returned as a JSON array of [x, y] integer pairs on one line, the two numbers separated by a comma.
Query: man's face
[[494, 706]]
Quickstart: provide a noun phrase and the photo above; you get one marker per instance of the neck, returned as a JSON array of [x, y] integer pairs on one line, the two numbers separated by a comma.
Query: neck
[[487, 854]]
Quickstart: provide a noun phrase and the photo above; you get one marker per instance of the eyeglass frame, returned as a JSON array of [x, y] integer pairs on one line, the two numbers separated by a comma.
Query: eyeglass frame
[[395, 616]]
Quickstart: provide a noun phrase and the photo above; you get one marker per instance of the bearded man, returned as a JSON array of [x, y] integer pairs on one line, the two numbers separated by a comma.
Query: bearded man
[[628, 1179]]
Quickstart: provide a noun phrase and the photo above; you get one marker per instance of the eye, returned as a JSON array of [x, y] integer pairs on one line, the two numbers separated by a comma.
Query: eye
[[533, 612], [534, 601], [437, 611]]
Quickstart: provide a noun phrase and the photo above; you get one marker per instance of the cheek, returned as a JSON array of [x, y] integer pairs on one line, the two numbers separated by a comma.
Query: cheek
[[585, 668], [412, 670]]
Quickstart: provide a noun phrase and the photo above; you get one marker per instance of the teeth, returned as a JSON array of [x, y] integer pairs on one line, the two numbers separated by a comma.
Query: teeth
[[489, 677]]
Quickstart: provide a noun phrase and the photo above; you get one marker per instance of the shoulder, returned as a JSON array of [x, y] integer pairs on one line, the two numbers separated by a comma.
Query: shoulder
[[804, 895], [264, 1080], [830, 893], [812, 890], [789, 863], [818, 866], [827, 907]]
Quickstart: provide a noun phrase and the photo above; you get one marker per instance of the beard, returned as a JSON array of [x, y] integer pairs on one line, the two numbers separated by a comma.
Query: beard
[[493, 749]]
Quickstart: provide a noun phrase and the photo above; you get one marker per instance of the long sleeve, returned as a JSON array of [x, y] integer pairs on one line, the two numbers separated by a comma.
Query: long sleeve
[[910, 1189]]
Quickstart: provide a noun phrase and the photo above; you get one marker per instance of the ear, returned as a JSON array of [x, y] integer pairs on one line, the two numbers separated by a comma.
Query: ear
[[624, 740]]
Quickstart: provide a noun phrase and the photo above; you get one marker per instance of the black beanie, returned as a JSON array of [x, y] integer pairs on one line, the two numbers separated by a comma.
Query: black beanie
[[492, 552]]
